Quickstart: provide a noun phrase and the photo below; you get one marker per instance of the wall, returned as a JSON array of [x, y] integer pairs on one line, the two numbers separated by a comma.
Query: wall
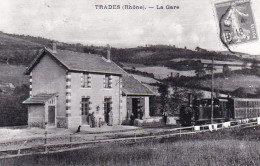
[[146, 107], [125, 113], [49, 77], [36, 116], [97, 93]]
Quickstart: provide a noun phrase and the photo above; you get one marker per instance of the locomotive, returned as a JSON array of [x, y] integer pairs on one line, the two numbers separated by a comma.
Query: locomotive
[[224, 109]]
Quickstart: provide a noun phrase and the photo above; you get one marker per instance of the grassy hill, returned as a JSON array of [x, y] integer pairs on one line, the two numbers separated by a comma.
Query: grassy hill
[[249, 82], [17, 51], [13, 74], [21, 49]]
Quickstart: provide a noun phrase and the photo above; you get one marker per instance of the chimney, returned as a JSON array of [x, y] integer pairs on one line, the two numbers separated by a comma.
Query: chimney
[[54, 47], [108, 53]]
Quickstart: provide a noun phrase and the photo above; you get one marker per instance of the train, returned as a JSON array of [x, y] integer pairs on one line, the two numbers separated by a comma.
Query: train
[[199, 111]]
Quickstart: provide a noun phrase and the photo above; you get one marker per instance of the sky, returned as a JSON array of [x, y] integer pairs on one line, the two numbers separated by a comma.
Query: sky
[[78, 21]]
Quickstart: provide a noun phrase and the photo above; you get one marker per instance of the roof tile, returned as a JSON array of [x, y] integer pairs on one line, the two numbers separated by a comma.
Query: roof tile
[[38, 99], [131, 86], [78, 61]]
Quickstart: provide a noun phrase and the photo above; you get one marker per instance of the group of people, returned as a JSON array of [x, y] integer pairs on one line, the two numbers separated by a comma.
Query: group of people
[[95, 120], [139, 115]]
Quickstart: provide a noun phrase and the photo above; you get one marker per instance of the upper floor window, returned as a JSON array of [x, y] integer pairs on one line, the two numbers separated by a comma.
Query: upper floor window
[[108, 81], [86, 80]]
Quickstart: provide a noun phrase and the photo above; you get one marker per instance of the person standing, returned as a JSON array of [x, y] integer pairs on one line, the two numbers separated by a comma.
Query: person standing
[[132, 118], [141, 112], [90, 120], [165, 116], [93, 119], [110, 118]]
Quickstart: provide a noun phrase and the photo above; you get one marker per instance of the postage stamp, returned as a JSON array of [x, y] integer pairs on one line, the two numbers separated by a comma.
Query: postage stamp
[[236, 22]]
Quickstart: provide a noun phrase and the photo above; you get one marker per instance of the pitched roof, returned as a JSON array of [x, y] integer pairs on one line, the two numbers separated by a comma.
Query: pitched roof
[[77, 61], [131, 86], [38, 99]]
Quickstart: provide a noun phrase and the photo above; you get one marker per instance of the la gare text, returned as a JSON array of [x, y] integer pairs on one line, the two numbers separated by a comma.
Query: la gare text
[[136, 7]]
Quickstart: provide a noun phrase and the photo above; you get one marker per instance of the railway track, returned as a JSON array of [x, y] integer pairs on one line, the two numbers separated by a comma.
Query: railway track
[[79, 142]]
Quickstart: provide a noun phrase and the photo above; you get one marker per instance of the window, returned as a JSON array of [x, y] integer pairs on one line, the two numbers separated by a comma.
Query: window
[[86, 80], [108, 81], [107, 104], [85, 103]]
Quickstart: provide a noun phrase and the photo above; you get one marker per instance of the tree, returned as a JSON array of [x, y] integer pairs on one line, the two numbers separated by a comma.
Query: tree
[[226, 70], [244, 65], [240, 92], [177, 99], [164, 96], [209, 67], [199, 70], [255, 68], [258, 91], [197, 48]]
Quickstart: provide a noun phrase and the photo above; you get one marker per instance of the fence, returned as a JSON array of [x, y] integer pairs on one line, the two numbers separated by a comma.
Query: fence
[[71, 142]]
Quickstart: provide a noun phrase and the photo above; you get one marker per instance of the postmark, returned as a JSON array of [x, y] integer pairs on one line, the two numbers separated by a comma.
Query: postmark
[[236, 22]]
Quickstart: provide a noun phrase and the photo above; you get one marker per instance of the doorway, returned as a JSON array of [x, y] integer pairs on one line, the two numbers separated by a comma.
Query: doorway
[[135, 107], [85, 102], [51, 115], [107, 108]]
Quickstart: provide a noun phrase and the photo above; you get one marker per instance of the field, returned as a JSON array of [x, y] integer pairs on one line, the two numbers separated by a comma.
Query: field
[[164, 72], [230, 147], [13, 74], [250, 82]]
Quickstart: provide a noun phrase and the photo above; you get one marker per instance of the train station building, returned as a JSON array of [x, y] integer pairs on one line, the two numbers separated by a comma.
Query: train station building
[[67, 87]]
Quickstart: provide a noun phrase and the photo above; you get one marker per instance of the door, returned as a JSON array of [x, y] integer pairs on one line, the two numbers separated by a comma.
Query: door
[[51, 115], [135, 107], [107, 109], [85, 110]]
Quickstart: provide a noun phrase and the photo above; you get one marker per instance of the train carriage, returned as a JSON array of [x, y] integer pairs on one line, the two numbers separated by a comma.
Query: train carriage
[[224, 109], [244, 107]]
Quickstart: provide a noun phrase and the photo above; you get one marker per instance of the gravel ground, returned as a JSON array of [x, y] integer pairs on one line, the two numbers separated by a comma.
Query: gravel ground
[[15, 138]]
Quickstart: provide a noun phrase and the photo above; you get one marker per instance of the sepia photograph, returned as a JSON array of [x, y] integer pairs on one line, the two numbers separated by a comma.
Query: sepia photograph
[[129, 83]]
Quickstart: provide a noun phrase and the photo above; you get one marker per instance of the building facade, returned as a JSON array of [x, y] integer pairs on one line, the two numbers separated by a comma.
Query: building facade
[[67, 88]]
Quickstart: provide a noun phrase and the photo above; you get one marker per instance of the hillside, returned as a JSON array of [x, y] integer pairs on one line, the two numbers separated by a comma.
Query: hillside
[[21, 49], [157, 61]]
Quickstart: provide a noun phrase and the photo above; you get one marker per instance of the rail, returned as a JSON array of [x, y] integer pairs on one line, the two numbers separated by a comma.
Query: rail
[[72, 142]]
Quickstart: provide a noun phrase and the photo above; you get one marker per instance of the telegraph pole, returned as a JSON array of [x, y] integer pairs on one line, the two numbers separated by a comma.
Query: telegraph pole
[[212, 90]]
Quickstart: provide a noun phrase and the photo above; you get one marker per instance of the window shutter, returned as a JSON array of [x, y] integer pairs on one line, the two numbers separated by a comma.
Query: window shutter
[[82, 80]]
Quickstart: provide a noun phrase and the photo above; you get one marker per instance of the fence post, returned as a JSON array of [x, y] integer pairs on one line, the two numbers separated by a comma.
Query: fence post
[[45, 141], [70, 140], [19, 150], [180, 132], [95, 138], [115, 138], [135, 136]]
